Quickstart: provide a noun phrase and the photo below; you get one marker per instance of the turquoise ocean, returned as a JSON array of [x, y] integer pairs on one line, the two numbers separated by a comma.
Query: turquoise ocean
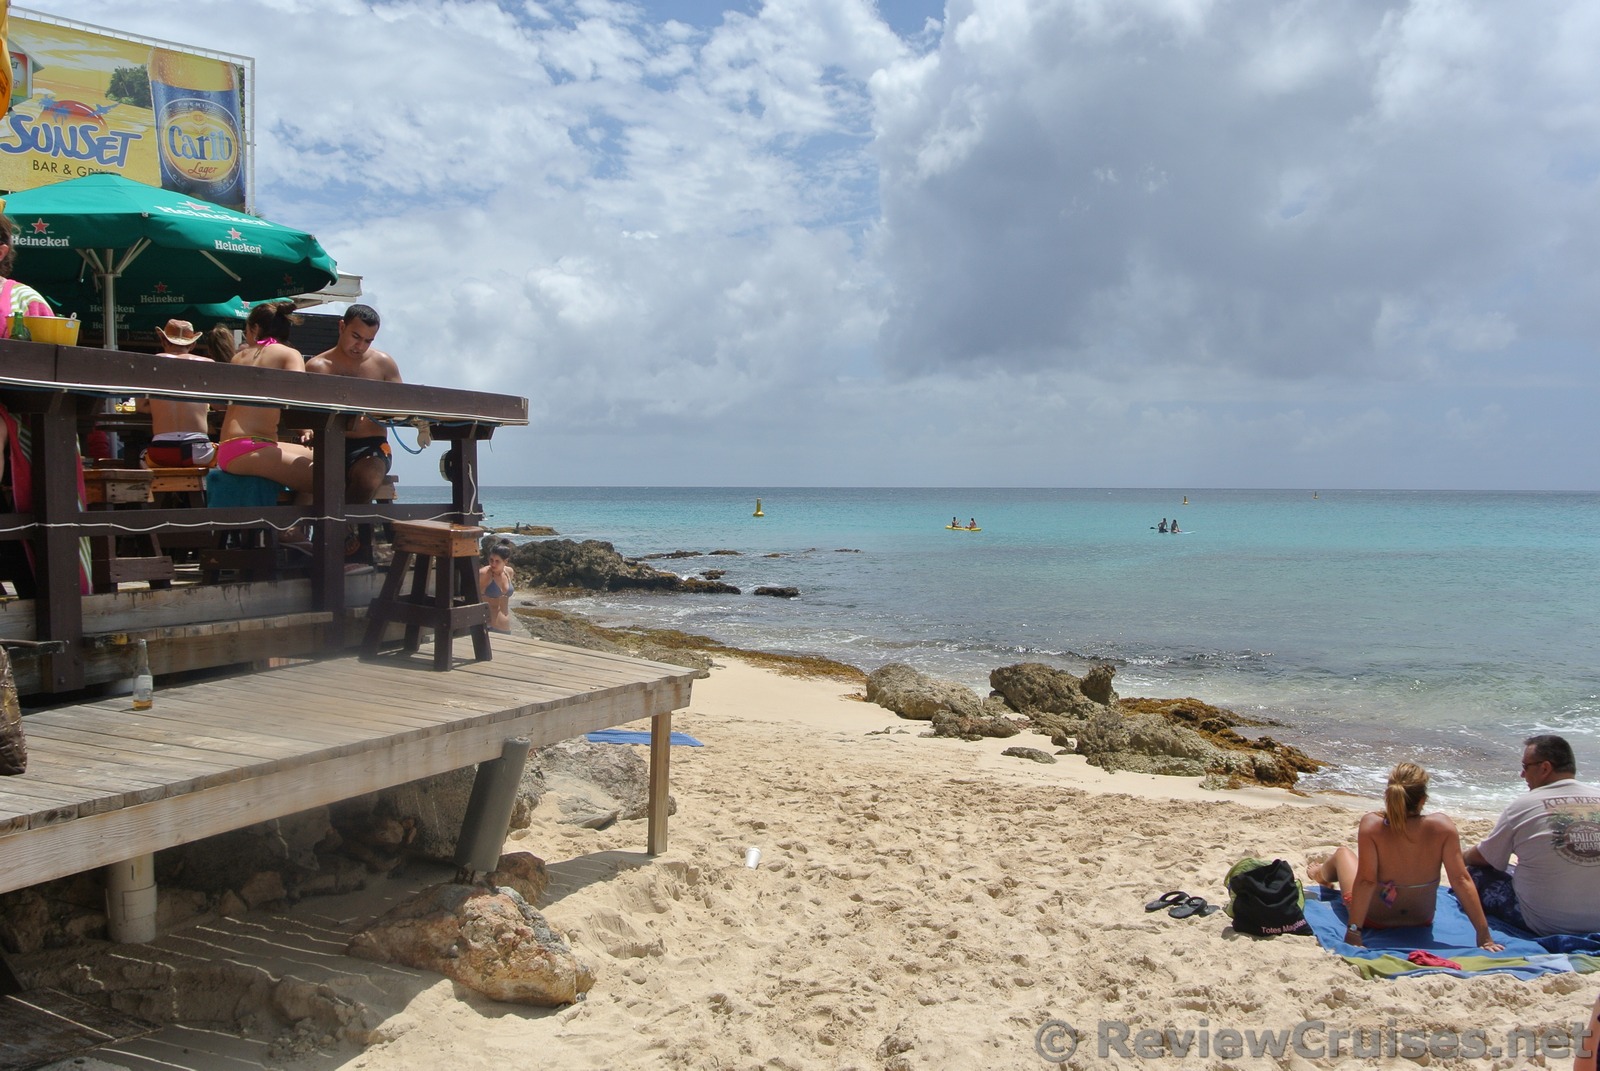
[[1442, 627]]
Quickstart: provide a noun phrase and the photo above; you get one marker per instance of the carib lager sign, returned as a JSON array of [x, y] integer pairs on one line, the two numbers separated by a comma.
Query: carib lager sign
[[85, 100]]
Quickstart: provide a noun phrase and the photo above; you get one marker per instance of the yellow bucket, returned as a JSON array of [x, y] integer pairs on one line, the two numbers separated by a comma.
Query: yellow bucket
[[55, 329]]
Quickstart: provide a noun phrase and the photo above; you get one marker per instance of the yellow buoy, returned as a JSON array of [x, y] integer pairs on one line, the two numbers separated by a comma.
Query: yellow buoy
[[758, 512], [1185, 500]]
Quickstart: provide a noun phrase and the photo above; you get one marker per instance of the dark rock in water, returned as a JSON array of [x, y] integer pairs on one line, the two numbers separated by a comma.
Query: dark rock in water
[[846, 550], [714, 574], [780, 593], [596, 566], [671, 554], [911, 694], [1031, 753], [730, 553], [1096, 684], [693, 585]]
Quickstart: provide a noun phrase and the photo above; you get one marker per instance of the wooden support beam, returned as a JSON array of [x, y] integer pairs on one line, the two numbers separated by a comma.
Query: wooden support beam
[[660, 781]]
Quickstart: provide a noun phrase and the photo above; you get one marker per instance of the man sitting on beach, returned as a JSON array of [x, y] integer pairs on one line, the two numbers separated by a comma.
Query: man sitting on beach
[[180, 435], [1554, 831], [366, 443]]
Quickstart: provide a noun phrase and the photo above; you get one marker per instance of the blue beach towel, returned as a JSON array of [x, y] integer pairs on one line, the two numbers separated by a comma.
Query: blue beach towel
[[1450, 937], [636, 736]]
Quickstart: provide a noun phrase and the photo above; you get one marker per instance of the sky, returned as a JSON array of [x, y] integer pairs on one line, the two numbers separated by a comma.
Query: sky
[[1144, 243]]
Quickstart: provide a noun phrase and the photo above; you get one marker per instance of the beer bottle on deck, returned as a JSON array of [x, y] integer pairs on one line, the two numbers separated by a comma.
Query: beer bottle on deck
[[144, 684]]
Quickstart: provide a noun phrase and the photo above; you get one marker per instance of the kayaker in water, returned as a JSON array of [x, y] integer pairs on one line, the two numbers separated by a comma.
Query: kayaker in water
[[1162, 527]]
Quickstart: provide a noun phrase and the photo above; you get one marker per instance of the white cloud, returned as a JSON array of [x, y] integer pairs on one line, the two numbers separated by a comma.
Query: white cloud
[[1118, 241]]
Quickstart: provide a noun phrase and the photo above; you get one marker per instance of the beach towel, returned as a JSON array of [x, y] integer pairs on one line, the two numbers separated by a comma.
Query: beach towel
[[636, 736], [1451, 937]]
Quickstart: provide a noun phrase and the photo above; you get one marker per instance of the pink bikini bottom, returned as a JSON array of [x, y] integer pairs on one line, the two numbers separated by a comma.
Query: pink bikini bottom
[[231, 450]]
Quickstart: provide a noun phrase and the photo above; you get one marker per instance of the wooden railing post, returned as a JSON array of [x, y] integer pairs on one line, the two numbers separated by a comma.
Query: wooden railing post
[[59, 609], [327, 501]]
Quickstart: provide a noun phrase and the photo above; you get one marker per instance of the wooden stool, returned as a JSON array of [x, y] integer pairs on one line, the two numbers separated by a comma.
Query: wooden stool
[[454, 606], [187, 485], [108, 489], [182, 488]]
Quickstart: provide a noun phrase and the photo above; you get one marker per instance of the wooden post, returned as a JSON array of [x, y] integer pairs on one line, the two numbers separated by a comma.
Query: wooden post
[[464, 480], [327, 500], [488, 818], [55, 504], [660, 750]]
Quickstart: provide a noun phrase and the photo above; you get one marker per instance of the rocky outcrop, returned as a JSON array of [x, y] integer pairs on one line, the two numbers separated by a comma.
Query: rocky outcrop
[[522, 871], [490, 940], [1153, 736], [973, 726], [911, 694], [574, 630], [779, 592], [1032, 754], [1034, 688], [595, 565]]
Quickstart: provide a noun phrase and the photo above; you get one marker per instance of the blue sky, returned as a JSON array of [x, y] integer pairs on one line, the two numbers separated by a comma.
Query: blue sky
[[1170, 243]]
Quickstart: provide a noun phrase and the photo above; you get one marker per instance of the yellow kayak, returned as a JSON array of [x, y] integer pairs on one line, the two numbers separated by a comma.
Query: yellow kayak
[[960, 528]]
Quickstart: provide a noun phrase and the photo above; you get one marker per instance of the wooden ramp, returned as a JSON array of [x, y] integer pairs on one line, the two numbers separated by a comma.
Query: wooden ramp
[[106, 784]]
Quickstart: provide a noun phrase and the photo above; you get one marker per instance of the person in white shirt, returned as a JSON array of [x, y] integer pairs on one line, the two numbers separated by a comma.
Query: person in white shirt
[[1554, 832]]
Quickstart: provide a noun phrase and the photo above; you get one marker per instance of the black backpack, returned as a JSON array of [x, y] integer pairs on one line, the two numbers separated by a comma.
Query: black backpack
[[1265, 899]]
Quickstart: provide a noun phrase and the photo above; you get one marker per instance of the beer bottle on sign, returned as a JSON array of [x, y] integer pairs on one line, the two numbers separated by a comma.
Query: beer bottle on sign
[[197, 108]]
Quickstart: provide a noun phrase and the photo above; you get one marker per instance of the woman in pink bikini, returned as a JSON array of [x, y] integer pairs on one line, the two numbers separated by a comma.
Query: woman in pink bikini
[[1392, 880], [250, 445]]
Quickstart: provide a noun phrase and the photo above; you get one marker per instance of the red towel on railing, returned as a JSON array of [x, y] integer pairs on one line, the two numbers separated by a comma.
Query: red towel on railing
[[19, 466]]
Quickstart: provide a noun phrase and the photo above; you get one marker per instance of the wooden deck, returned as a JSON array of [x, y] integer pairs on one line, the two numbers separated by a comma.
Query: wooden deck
[[105, 784]]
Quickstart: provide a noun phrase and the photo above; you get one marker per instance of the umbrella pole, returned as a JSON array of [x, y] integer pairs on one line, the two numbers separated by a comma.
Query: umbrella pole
[[108, 294]]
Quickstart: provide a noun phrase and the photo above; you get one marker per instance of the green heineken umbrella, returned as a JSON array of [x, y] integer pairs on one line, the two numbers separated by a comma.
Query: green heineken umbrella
[[103, 239]]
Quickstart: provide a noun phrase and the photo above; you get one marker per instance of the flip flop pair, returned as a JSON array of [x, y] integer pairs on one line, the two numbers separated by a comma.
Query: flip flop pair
[[1194, 905], [1180, 905]]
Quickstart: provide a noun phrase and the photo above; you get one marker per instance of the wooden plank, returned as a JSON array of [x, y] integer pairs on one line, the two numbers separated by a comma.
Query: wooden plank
[[137, 738], [220, 754], [345, 704], [118, 372], [187, 713], [173, 774], [34, 855]]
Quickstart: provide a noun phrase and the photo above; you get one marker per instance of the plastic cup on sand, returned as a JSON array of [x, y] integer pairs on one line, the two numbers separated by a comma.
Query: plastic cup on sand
[[752, 857]]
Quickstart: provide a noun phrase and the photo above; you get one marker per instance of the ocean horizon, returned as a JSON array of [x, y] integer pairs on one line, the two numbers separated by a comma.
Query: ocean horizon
[[1375, 626]]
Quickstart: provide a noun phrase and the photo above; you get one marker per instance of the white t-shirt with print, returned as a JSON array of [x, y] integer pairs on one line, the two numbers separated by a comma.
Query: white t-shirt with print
[[1554, 831]]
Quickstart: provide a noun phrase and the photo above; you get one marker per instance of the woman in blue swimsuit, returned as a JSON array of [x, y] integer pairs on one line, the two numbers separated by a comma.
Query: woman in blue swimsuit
[[496, 585]]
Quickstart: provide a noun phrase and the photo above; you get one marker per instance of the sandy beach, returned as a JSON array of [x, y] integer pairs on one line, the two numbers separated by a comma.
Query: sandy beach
[[919, 903]]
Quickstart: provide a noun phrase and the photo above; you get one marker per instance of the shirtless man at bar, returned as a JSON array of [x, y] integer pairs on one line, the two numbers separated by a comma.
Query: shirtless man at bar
[[250, 445], [366, 444], [180, 434]]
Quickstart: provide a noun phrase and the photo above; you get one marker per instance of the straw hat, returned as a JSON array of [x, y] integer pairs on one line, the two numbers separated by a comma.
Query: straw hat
[[179, 333]]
